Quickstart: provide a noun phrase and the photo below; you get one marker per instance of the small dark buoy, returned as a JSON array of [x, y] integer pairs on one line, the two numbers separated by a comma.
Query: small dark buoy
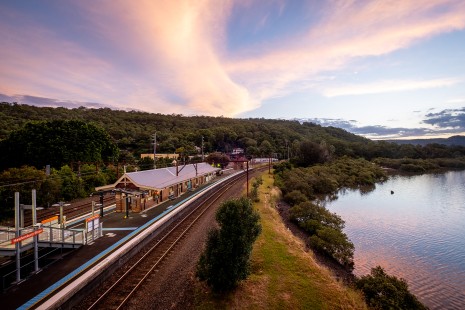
[[392, 192]]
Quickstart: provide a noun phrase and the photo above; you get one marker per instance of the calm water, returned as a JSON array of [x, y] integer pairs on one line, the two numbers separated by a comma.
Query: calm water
[[417, 233]]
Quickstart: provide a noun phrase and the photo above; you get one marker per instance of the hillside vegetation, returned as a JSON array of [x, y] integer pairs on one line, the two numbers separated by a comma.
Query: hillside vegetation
[[133, 132], [87, 148]]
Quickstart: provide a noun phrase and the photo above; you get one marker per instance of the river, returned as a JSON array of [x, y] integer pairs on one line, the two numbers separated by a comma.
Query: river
[[417, 233]]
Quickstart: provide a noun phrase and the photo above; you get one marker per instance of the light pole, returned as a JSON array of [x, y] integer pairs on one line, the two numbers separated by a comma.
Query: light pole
[[203, 158], [61, 204]]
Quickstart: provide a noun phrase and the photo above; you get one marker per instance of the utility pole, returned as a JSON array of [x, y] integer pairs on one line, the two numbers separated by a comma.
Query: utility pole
[[101, 205], [154, 150], [247, 178], [61, 204], [203, 159], [127, 206], [287, 147], [17, 234]]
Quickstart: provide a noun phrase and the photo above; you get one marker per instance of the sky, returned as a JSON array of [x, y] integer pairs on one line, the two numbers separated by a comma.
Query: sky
[[390, 69]]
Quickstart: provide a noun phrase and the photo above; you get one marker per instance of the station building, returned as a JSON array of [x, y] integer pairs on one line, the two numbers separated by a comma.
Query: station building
[[146, 188]]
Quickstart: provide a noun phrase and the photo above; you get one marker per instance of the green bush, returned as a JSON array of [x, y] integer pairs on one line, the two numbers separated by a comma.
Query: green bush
[[295, 197], [412, 168], [325, 230], [334, 243], [383, 291], [226, 258]]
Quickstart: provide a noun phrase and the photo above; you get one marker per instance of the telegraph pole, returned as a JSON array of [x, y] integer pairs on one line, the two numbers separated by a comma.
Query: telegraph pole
[[154, 150], [203, 159]]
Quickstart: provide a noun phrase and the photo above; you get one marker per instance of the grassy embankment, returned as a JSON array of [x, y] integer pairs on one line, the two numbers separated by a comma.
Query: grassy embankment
[[284, 275]]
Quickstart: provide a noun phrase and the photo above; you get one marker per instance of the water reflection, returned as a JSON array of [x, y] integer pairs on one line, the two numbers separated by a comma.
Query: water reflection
[[417, 233]]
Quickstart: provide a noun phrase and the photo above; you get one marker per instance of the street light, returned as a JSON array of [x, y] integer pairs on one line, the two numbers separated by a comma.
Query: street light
[[61, 204]]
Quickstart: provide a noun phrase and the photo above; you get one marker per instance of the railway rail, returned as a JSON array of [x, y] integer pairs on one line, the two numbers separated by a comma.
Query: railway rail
[[76, 209], [120, 287]]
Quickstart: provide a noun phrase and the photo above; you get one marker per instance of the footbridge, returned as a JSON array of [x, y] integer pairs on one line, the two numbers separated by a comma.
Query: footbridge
[[44, 236]]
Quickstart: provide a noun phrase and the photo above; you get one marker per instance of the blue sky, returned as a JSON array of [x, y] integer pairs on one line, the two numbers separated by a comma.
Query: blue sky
[[382, 69]]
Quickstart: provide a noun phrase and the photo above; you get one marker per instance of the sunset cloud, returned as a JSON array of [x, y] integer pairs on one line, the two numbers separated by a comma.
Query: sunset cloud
[[388, 86], [349, 30], [179, 56]]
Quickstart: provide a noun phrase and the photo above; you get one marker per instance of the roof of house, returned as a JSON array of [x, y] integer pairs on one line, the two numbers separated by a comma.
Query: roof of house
[[164, 177]]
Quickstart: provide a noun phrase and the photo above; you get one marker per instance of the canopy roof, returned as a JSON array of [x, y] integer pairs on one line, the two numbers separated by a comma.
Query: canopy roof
[[158, 179]]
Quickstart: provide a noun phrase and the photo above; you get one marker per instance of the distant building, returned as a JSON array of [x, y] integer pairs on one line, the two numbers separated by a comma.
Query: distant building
[[263, 160], [237, 151], [173, 156]]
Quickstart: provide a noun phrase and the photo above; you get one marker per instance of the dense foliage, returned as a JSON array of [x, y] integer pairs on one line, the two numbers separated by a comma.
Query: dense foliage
[[421, 165], [62, 184], [218, 159], [301, 185], [56, 143], [254, 191], [226, 258], [133, 130], [327, 178], [325, 230], [305, 143], [383, 291]]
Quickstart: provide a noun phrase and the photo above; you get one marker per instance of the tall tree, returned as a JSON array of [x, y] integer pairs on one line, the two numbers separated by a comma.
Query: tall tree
[[225, 260], [56, 143]]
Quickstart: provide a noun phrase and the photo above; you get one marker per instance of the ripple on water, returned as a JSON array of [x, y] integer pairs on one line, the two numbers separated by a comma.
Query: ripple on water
[[417, 234]]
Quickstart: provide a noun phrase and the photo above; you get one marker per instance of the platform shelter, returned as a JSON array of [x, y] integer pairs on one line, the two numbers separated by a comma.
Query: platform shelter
[[150, 187]]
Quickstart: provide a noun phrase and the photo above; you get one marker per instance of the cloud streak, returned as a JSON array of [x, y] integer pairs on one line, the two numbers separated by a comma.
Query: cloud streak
[[388, 86], [349, 30], [445, 123], [173, 56]]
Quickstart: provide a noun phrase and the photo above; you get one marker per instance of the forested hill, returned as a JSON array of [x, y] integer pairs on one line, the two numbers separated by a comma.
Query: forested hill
[[454, 140], [133, 131], [133, 134]]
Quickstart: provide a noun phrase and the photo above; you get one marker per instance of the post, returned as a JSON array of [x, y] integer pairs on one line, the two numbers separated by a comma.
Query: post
[[93, 207], [21, 216], [154, 150], [34, 206], [17, 234], [203, 159], [247, 179], [127, 206], [101, 205], [287, 145], [61, 204], [36, 237], [61, 213]]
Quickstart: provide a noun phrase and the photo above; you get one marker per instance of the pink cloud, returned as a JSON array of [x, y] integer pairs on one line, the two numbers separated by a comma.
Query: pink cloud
[[350, 29], [172, 57]]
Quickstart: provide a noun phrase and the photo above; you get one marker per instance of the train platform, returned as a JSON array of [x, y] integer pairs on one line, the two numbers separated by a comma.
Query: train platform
[[116, 229]]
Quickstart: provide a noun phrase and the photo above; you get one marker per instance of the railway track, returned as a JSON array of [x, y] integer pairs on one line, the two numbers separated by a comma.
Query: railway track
[[74, 210], [119, 288]]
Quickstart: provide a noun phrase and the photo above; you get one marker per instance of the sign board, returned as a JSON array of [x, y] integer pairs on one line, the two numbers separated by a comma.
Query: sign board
[[49, 220], [27, 236], [93, 222], [92, 218], [90, 226]]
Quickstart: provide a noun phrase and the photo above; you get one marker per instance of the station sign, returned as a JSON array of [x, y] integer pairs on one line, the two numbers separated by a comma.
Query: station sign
[[93, 222], [50, 220], [27, 236]]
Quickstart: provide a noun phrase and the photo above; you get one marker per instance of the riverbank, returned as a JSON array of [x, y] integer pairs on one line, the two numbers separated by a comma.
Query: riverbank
[[284, 275], [339, 272]]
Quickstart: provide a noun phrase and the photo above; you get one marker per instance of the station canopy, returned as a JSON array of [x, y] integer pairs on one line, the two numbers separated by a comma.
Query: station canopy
[[158, 179]]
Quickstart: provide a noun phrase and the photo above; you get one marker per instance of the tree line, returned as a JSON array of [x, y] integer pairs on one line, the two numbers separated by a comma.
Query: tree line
[[132, 132], [94, 145]]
